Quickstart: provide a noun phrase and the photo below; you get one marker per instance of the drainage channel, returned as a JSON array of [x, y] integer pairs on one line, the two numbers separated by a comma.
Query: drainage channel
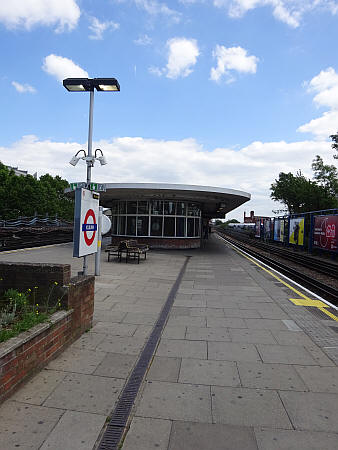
[[117, 424]]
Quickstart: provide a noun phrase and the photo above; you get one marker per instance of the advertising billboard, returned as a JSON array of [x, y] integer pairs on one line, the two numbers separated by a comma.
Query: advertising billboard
[[296, 231], [325, 232], [267, 229]]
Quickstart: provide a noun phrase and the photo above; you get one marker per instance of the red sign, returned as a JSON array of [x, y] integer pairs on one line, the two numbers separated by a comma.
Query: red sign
[[325, 233], [86, 227]]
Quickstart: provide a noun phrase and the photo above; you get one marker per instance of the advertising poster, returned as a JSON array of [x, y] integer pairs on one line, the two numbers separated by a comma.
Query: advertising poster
[[267, 229], [296, 232], [325, 233], [282, 230], [258, 228], [276, 230]]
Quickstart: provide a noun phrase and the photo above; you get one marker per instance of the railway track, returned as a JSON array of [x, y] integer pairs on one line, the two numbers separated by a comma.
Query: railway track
[[33, 238], [327, 292]]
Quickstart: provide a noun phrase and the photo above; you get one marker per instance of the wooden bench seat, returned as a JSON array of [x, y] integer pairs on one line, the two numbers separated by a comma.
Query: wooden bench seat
[[129, 248]]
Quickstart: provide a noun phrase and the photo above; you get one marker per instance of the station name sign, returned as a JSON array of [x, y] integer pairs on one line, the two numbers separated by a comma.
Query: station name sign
[[98, 187]]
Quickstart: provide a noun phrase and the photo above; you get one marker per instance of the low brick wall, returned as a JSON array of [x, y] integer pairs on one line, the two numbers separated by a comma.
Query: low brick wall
[[22, 356], [154, 242]]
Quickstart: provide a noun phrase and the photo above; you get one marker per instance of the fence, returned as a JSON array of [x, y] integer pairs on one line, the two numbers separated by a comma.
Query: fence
[[33, 221]]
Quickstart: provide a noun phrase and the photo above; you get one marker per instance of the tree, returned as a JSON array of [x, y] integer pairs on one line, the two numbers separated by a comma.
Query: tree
[[25, 196], [326, 176], [334, 138], [300, 194]]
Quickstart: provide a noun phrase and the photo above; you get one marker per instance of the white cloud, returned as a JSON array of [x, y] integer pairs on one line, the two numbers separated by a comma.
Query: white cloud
[[287, 11], [251, 169], [22, 88], [61, 68], [182, 56], [155, 8], [232, 59], [325, 87], [98, 28], [63, 14], [143, 40]]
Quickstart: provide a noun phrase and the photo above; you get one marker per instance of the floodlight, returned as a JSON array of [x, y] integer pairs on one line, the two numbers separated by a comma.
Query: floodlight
[[74, 160], [78, 84], [102, 160], [106, 84]]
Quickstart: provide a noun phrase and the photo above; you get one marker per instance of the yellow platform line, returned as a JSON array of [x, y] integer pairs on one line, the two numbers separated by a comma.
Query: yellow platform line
[[304, 301]]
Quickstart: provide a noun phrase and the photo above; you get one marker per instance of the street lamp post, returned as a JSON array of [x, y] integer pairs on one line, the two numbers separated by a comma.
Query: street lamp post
[[88, 85]]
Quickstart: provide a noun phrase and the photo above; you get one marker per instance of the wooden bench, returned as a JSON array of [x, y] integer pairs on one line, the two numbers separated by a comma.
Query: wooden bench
[[130, 248]]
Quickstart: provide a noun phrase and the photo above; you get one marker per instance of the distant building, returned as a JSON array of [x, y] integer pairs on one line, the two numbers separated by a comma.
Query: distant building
[[18, 172], [252, 218]]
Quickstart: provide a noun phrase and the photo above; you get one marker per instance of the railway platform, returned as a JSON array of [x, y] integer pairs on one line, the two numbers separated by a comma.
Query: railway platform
[[243, 360]]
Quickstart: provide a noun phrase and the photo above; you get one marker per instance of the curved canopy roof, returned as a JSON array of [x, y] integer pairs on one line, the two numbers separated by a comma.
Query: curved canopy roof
[[215, 202]]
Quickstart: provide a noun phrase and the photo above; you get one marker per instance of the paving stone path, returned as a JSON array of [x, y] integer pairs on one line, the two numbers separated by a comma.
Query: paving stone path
[[234, 369]]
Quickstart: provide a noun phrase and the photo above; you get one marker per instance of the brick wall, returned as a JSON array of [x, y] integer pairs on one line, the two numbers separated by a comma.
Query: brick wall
[[170, 243], [22, 356]]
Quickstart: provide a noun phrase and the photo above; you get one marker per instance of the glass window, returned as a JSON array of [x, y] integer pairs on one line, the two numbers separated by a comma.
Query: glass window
[[156, 226], [122, 207], [143, 208], [193, 209], [142, 225], [169, 208], [181, 209], [131, 207], [122, 225], [157, 207], [131, 225], [197, 227], [115, 208], [190, 227], [114, 225], [180, 226], [169, 226]]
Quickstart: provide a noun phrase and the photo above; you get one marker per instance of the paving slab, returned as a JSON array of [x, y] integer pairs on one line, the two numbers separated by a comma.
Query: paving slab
[[89, 340], [74, 431], [270, 376], [147, 434], [143, 331], [248, 407], [109, 316], [285, 354], [266, 324], [206, 312], [86, 393], [36, 390], [187, 321], [268, 439], [207, 334], [251, 336], [219, 373], [164, 369], [227, 322], [74, 359], [140, 318], [116, 329], [286, 337], [242, 313], [175, 401], [26, 426], [182, 348], [319, 379], [174, 332], [232, 351], [312, 411], [115, 365], [125, 345], [193, 436]]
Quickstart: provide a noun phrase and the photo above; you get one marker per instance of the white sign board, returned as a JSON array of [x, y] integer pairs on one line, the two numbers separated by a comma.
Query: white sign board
[[85, 222]]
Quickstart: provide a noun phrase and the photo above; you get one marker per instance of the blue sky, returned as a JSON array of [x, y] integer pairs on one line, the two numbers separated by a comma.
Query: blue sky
[[214, 92]]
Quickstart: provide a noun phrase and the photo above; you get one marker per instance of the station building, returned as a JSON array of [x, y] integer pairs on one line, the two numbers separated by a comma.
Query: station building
[[166, 215]]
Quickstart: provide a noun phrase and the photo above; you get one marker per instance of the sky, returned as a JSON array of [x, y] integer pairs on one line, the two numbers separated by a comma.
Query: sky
[[225, 93]]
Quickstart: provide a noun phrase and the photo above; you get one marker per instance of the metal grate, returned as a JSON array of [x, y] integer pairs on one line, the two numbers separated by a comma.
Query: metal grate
[[117, 424]]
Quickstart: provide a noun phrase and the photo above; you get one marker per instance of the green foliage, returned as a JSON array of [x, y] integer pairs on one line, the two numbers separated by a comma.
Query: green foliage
[[334, 145], [301, 195], [25, 196], [19, 311]]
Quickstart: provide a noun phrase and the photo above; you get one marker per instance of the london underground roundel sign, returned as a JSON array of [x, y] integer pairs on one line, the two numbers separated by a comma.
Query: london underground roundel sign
[[85, 222]]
